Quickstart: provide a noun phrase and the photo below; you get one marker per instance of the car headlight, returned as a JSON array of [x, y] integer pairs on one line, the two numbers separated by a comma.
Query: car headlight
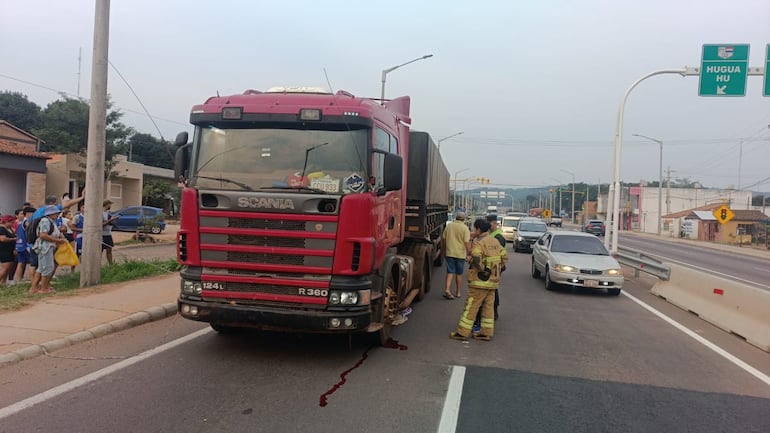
[[564, 268], [519, 238], [614, 272], [343, 298]]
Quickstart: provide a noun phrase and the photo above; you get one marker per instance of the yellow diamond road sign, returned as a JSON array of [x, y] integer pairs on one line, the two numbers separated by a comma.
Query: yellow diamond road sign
[[546, 213], [723, 214]]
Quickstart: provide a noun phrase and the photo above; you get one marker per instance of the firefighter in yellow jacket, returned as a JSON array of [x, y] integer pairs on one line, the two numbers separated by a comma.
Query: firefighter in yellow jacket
[[487, 262]]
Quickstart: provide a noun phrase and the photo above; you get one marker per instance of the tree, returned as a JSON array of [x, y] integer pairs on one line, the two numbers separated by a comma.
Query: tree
[[64, 127], [156, 193], [148, 150], [16, 109]]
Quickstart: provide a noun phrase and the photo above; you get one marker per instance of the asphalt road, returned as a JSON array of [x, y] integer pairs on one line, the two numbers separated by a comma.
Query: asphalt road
[[561, 361], [745, 268]]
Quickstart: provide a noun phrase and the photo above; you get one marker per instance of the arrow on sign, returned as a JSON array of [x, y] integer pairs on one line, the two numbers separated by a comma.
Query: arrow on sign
[[721, 90]]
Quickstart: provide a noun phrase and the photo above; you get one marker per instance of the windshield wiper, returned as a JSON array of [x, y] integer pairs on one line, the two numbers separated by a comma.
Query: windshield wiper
[[222, 179], [298, 188], [307, 154]]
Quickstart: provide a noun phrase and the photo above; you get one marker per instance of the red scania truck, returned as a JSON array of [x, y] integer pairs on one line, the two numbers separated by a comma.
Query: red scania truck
[[307, 211]]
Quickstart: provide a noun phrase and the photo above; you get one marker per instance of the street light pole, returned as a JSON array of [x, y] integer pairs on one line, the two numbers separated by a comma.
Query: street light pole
[[385, 72], [572, 217], [455, 187], [447, 138], [660, 180]]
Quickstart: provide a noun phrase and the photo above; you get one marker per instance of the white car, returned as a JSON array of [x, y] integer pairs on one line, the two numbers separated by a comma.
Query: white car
[[509, 224], [575, 259]]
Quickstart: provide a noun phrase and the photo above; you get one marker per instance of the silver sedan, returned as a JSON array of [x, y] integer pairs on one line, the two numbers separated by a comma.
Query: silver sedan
[[575, 259]]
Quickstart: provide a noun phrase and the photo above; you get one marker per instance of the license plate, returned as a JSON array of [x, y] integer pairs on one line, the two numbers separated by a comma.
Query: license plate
[[327, 185], [591, 283]]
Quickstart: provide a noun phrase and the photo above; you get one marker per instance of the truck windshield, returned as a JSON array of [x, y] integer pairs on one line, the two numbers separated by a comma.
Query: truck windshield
[[251, 159]]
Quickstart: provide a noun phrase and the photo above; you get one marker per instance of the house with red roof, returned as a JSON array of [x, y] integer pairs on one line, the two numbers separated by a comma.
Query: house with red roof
[[22, 168]]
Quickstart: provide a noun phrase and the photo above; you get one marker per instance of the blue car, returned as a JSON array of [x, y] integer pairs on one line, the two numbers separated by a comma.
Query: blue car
[[134, 218]]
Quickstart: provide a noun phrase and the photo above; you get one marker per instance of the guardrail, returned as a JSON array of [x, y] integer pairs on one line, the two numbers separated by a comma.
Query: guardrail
[[642, 262]]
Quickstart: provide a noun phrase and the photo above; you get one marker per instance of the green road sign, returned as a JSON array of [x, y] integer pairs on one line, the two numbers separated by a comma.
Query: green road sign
[[767, 71], [723, 70]]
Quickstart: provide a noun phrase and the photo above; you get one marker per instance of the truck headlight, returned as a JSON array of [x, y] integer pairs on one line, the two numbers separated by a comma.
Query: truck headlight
[[192, 287], [338, 297]]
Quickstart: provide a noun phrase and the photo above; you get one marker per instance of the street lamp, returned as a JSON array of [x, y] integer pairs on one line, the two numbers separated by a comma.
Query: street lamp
[[447, 138], [572, 217], [455, 187], [660, 180], [558, 213], [387, 71]]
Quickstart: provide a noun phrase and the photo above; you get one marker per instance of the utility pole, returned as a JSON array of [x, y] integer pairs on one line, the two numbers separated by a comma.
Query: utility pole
[[740, 163], [668, 190], [80, 62], [97, 118]]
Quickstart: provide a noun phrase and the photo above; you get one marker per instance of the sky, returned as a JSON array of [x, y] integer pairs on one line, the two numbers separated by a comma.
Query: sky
[[534, 86]]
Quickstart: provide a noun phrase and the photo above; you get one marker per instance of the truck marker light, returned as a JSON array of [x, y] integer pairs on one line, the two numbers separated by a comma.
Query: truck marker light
[[310, 114], [232, 113]]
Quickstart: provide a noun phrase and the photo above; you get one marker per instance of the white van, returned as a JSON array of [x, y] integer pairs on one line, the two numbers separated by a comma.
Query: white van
[[509, 225]]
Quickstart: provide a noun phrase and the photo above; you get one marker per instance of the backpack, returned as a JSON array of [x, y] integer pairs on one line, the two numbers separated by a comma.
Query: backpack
[[31, 230]]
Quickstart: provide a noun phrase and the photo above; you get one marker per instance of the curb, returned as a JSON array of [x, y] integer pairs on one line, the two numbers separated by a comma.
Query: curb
[[132, 320]]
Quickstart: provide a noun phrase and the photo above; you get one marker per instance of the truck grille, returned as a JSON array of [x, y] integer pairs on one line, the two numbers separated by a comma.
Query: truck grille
[[235, 245], [273, 259]]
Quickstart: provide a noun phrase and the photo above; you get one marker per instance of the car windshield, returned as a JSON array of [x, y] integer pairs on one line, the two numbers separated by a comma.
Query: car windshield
[[251, 159], [532, 227], [578, 245]]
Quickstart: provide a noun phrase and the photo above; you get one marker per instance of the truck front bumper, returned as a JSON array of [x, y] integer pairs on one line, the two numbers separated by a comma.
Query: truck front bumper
[[276, 319]]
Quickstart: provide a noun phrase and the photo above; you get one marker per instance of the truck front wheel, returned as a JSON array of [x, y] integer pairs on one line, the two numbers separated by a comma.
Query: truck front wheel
[[382, 312]]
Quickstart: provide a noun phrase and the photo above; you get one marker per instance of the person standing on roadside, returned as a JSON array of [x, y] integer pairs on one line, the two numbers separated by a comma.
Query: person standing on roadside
[[23, 253], [7, 246], [107, 220], [456, 239], [496, 232], [48, 237], [488, 258]]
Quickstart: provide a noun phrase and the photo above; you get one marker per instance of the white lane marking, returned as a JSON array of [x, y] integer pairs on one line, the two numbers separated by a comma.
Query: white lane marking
[[725, 354], [761, 269], [451, 409], [71, 385], [689, 265]]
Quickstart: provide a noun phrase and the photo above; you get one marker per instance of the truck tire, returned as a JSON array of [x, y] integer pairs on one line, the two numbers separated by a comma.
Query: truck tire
[[424, 280], [439, 260], [382, 312]]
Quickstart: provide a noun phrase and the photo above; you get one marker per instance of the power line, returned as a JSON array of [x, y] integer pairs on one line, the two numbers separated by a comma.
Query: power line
[[67, 94]]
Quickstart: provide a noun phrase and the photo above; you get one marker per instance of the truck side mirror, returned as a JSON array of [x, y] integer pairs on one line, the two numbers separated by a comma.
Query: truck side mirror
[[394, 172], [181, 139], [182, 158]]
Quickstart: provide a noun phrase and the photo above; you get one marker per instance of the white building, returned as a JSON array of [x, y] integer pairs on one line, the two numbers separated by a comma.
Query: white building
[[639, 205]]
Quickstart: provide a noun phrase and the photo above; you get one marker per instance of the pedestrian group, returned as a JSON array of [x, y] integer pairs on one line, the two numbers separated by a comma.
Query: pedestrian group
[[31, 236]]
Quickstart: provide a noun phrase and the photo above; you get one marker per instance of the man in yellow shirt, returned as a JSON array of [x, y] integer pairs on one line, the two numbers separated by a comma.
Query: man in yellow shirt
[[457, 245]]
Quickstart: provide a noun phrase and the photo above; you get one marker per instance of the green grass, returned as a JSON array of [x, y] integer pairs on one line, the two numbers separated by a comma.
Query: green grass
[[17, 296]]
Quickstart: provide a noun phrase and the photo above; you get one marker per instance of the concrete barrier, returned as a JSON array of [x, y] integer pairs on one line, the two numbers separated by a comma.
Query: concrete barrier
[[730, 305]]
